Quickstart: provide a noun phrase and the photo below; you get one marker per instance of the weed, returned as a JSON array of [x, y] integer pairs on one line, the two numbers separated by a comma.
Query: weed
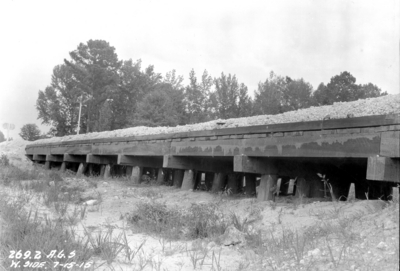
[[105, 245], [25, 231]]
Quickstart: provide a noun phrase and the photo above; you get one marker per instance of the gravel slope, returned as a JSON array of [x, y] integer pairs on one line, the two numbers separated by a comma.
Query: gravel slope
[[373, 106]]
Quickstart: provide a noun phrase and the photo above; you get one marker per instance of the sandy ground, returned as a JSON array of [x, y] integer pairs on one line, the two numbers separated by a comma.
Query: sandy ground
[[118, 198]]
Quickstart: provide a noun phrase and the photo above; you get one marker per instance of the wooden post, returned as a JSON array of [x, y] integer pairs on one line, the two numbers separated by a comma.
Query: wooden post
[[209, 180], [219, 182], [160, 176], [136, 175], [302, 188], [188, 180], [178, 177], [47, 165], [81, 169], [233, 183], [352, 193], [107, 171], [63, 166], [250, 185], [267, 187]]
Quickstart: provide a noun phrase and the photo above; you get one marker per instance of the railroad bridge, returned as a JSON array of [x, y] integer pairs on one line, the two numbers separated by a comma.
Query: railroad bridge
[[364, 151]]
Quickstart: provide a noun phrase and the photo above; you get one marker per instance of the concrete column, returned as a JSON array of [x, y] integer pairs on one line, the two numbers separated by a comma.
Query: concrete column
[[250, 185], [47, 165], [136, 176], [188, 180], [219, 182], [102, 170], [351, 196], [302, 188], [209, 180], [63, 166], [233, 182], [107, 172], [178, 178], [267, 188], [160, 176], [395, 194], [81, 169]]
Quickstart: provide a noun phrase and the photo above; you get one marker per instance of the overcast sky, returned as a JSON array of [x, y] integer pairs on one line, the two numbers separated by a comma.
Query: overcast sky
[[313, 40]]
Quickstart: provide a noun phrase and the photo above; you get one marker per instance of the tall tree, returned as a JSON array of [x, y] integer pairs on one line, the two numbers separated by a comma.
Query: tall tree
[[369, 91], [58, 104], [296, 94], [227, 93], [95, 66], [343, 88], [133, 85], [268, 96], [30, 132], [244, 102], [156, 109]]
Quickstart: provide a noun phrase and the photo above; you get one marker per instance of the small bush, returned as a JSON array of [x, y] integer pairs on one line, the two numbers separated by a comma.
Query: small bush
[[4, 161], [198, 221]]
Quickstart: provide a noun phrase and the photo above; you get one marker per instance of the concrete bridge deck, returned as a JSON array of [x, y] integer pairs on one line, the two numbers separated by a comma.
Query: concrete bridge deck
[[356, 149]]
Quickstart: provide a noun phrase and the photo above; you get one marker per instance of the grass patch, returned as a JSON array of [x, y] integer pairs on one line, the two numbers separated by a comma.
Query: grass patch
[[26, 231], [198, 221]]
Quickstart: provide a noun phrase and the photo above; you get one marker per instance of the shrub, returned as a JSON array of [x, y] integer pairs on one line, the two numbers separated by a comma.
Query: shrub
[[198, 221]]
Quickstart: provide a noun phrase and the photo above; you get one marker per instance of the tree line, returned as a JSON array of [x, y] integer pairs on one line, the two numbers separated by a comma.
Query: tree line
[[117, 94]]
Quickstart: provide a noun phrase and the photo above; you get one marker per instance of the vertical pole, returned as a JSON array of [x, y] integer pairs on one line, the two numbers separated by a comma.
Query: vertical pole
[[219, 182], [63, 166], [178, 177], [160, 176], [351, 196], [267, 188], [188, 180], [107, 172], [136, 175]]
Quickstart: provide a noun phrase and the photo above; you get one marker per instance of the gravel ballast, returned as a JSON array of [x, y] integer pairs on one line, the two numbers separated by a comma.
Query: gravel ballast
[[389, 104]]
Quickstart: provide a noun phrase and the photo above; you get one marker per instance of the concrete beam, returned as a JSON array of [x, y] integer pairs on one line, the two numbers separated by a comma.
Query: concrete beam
[[39, 157], [74, 158], [140, 161], [101, 159], [196, 163], [383, 169], [242, 163], [54, 158]]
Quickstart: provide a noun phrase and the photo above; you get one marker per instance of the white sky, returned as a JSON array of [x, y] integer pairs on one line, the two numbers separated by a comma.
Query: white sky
[[314, 40]]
